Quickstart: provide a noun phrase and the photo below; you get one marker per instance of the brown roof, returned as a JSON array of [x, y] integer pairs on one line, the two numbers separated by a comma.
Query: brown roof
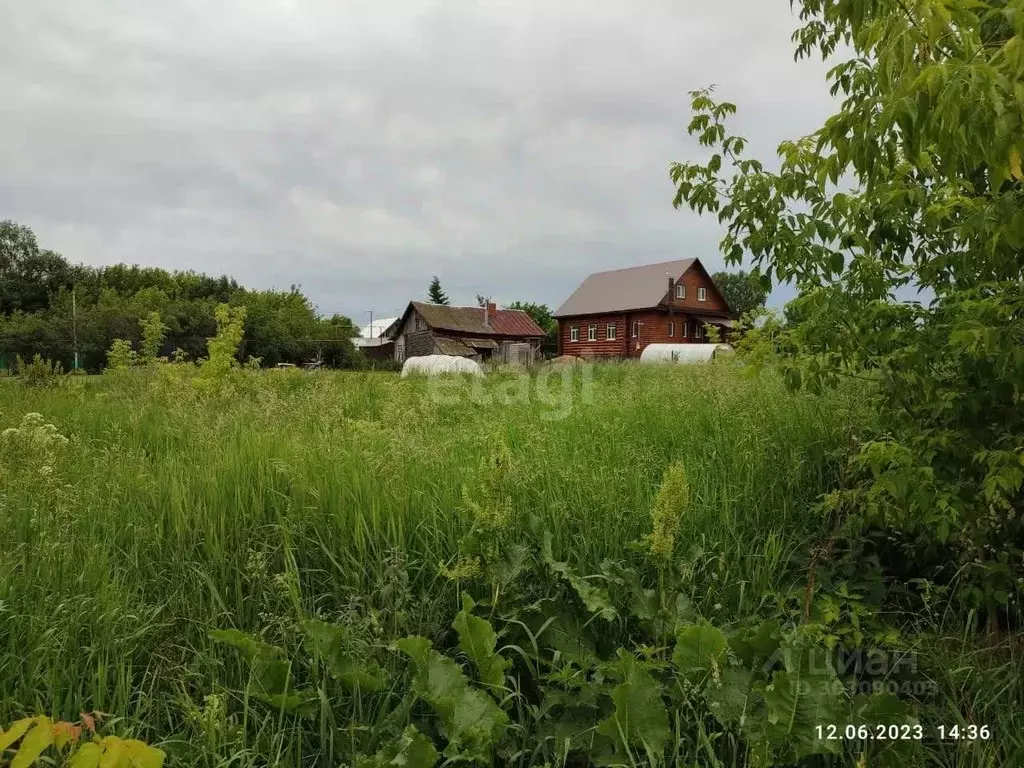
[[504, 322], [455, 347], [623, 289]]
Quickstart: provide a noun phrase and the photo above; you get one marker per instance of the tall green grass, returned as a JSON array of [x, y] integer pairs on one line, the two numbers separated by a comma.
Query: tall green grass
[[169, 514]]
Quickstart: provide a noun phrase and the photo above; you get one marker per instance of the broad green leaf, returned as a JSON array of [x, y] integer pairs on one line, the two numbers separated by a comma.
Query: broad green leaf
[[114, 753], [15, 732], [730, 698], [640, 718], [568, 635], [797, 704], [596, 599], [471, 720], [758, 646], [86, 756], [250, 647], [1015, 169], [298, 701], [478, 641], [413, 750], [330, 644], [142, 755], [700, 651], [34, 744]]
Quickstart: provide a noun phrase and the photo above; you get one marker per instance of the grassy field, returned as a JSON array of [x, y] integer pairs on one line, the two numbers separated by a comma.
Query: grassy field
[[356, 499]]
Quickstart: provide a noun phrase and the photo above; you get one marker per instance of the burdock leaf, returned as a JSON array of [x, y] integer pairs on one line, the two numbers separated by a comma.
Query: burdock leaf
[[250, 647], [596, 599], [640, 717], [330, 644], [413, 750], [471, 720], [34, 744], [700, 649], [478, 641], [87, 756], [15, 732], [796, 704]]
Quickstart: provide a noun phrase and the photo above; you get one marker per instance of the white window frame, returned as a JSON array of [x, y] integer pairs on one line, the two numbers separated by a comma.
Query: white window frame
[[611, 332], [574, 334], [685, 324], [680, 291], [592, 333], [698, 331], [672, 329], [636, 329], [702, 294]]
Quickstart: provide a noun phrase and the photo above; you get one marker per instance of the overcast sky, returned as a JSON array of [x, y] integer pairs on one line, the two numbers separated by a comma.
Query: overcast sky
[[356, 147]]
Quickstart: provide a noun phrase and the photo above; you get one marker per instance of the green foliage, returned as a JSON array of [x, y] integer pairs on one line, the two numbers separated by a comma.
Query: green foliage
[[39, 734], [413, 750], [541, 315], [270, 672], [915, 184], [223, 348], [120, 356], [53, 308], [640, 718], [335, 496], [39, 373], [478, 641], [669, 506], [335, 647], [595, 599], [435, 295], [153, 332], [700, 651], [471, 721], [742, 290]]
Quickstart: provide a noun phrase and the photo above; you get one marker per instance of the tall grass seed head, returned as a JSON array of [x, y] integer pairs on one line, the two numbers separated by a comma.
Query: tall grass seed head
[[669, 505]]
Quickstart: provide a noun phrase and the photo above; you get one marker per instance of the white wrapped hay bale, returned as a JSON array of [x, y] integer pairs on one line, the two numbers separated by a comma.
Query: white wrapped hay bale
[[683, 353], [433, 365]]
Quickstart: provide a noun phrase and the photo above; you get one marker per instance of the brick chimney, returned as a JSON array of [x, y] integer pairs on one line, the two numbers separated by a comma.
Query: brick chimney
[[489, 310]]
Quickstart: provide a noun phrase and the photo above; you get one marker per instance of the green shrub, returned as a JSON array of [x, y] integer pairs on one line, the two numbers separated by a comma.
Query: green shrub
[[40, 373]]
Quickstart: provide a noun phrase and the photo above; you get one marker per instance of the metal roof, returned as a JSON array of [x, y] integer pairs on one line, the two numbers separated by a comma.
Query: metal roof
[[623, 289], [361, 342], [503, 322], [376, 328]]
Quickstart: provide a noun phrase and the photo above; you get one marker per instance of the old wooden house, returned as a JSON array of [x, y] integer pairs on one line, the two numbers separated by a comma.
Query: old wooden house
[[480, 333], [617, 314]]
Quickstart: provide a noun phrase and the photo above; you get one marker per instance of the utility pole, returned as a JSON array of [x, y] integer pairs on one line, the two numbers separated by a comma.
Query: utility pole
[[74, 323]]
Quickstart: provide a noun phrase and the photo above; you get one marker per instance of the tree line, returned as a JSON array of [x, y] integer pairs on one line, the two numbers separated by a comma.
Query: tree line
[[73, 313]]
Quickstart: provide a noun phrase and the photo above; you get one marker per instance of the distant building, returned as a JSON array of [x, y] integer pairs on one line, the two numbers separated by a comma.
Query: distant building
[[371, 340], [480, 333], [377, 328], [618, 313]]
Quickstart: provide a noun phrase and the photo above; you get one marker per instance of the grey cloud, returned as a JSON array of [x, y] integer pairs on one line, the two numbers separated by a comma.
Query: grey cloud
[[358, 148]]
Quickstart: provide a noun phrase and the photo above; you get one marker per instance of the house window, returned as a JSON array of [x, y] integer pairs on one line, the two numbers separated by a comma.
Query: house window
[[636, 329], [698, 331], [592, 333], [684, 329], [702, 294], [672, 328], [680, 291], [610, 332], [574, 334]]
